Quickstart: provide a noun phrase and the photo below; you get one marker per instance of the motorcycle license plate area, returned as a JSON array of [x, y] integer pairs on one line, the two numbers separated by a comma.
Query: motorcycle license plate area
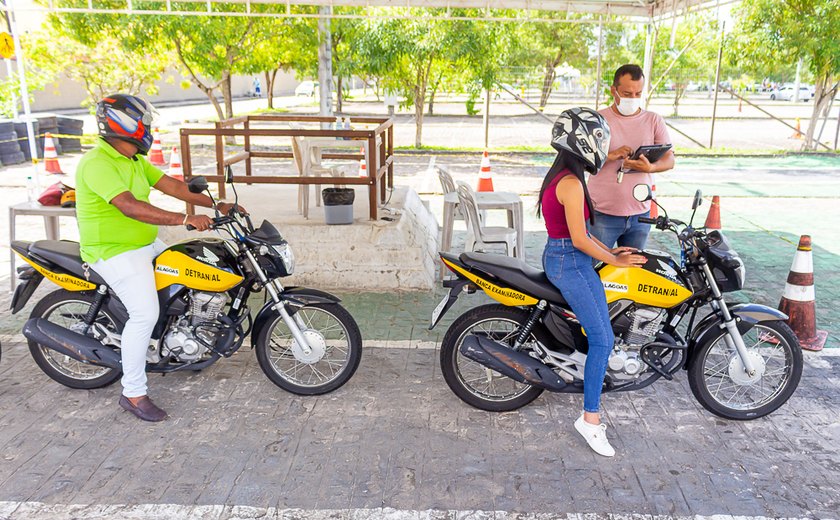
[[447, 302]]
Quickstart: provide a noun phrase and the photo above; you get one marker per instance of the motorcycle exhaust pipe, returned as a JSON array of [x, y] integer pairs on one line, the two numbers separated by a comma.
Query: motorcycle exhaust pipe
[[518, 366], [79, 347]]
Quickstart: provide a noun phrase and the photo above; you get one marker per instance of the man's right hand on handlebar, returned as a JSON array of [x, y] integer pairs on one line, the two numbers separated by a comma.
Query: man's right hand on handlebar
[[199, 222]]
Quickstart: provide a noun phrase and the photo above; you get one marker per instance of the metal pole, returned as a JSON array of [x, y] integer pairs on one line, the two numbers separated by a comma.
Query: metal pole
[[598, 74], [24, 94], [325, 63], [716, 87], [487, 119], [837, 130], [825, 119], [648, 61]]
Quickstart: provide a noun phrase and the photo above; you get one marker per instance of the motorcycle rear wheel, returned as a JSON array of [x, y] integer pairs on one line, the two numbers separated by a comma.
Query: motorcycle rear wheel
[[719, 383], [328, 326], [475, 384], [66, 308]]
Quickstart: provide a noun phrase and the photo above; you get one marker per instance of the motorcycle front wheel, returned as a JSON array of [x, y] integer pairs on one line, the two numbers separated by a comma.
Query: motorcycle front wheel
[[718, 380], [67, 309], [335, 350], [474, 383]]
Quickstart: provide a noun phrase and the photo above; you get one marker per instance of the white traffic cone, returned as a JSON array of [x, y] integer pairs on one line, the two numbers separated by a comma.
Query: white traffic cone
[[156, 151], [175, 169], [51, 156], [485, 178], [799, 298]]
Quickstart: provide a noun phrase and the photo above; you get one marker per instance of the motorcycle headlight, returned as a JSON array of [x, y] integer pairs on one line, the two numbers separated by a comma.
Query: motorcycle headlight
[[287, 256]]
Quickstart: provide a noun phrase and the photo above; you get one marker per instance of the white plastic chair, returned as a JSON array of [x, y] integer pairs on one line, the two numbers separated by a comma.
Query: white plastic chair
[[307, 168], [478, 235]]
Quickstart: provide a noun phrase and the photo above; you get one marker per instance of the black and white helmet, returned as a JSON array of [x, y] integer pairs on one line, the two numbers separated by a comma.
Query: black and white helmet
[[585, 134]]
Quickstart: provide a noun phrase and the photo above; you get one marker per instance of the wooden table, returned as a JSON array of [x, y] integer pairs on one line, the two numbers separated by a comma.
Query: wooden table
[[50, 214], [511, 202]]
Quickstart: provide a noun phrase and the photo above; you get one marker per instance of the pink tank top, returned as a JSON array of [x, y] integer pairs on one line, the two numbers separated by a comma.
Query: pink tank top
[[554, 213]]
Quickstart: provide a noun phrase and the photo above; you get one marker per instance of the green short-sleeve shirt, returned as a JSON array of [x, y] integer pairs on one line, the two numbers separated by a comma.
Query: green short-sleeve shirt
[[102, 174]]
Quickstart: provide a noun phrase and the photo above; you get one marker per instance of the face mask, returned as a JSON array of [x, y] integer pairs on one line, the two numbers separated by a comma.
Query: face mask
[[629, 106]]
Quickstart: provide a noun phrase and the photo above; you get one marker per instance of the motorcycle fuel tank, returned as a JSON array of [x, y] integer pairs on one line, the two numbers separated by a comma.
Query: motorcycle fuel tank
[[658, 283], [203, 265]]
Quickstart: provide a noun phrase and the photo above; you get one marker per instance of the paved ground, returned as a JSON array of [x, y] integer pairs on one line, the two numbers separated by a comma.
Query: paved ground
[[396, 437]]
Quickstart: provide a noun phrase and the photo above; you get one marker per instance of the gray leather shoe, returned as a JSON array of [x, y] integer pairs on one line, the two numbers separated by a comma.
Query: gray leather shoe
[[145, 409]]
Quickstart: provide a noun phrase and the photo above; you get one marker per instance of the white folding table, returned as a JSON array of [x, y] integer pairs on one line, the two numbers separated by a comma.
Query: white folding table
[[511, 202], [50, 214]]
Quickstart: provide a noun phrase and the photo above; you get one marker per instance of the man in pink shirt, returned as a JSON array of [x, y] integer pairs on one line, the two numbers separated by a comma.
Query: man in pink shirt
[[616, 211]]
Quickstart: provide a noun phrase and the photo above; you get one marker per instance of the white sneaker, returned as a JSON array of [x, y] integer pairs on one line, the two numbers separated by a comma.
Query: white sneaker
[[596, 436]]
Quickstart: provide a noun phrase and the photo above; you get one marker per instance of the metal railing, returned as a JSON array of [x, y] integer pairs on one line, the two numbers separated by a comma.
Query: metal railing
[[379, 140]]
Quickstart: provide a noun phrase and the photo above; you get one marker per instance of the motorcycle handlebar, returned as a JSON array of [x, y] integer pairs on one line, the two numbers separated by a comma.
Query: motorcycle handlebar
[[647, 220], [217, 221]]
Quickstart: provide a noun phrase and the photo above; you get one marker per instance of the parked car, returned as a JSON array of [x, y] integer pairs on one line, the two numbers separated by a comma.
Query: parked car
[[307, 88], [787, 93]]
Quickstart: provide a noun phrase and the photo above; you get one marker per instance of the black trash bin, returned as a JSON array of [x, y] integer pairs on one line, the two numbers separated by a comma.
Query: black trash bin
[[338, 205]]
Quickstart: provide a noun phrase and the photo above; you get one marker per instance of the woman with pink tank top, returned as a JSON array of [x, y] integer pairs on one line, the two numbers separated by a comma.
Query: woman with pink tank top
[[581, 136]]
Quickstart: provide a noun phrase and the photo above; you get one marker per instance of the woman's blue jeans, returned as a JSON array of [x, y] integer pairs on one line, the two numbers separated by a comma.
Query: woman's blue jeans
[[571, 271]]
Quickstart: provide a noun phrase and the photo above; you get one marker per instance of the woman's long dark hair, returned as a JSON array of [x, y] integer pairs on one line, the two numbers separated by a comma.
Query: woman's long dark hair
[[566, 161]]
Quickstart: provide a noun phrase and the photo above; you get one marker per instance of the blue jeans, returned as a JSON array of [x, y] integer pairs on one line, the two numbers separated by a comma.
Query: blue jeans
[[626, 231], [571, 271]]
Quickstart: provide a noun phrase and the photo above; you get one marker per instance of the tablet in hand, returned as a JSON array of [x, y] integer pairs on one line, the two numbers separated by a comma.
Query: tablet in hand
[[652, 152]]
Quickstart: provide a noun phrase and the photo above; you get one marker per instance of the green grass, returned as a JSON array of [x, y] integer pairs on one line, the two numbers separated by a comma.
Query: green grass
[[680, 151], [262, 111]]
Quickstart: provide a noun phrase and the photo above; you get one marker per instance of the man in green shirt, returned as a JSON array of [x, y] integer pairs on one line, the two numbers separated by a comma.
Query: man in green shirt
[[118, 229]]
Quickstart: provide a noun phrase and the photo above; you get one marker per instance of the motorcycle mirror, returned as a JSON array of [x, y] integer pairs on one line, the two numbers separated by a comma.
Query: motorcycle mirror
[[228, 174], [698, 199], [642, 193], [197, 184]]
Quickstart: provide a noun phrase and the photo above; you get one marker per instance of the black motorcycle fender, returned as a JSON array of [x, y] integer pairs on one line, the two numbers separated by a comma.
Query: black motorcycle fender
[[747, 314], [30, 279], [297, 297]]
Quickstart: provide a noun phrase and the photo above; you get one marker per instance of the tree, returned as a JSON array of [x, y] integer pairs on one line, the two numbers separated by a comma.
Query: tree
[[772, 32], [692, 57], [209, 49], [282, 44], [404, 55], [553, 44], [39, 74], [103, 67]]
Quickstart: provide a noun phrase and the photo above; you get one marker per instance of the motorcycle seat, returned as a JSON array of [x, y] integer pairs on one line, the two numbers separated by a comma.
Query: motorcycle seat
[[516, 274], [65, 254]]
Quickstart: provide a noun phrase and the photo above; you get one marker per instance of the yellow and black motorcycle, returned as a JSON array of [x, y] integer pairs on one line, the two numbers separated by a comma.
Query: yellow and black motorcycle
[[305, 341], [743, 361]]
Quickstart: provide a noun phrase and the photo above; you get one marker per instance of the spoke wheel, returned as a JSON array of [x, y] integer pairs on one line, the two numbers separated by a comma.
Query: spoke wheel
[[336, 349], [67, 309], [718, 380], [474, 383]]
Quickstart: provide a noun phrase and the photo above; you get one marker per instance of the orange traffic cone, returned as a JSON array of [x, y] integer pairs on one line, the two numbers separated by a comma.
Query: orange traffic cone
[[485, 179], [798, 300], [51, 156], [654, 209], [176, 171], [156, 152], [713, 218], [798, 133]]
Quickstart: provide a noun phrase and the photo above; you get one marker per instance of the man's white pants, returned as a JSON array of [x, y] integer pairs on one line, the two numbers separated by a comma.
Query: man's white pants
[[131, 276]]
